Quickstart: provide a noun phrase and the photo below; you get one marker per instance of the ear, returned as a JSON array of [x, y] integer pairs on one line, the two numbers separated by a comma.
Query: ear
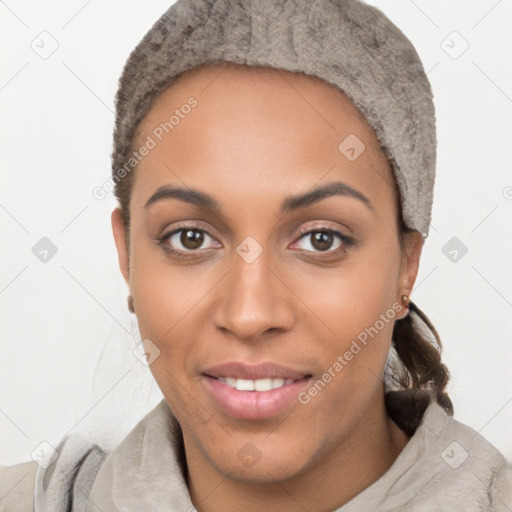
[[120, 239], [413, 242]]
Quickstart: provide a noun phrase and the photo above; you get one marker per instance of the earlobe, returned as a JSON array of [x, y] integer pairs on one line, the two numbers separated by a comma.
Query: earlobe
[[120, 240]]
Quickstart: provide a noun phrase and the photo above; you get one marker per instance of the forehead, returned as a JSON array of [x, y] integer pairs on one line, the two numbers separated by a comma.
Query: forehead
[[252, 128]]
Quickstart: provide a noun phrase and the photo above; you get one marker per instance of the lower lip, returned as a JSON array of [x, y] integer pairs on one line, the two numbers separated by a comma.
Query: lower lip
[[254, 405]]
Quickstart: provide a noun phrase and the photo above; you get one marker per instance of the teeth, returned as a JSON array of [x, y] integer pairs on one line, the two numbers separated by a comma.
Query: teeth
[[277, 383], [255, 385], [263, 385], [230, 381], [244, 385]]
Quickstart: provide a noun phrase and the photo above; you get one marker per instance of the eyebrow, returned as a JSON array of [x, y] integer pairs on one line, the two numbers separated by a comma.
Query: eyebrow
[[291, 203]]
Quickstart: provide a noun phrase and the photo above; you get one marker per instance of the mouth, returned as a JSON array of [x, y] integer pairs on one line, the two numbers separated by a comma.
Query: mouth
[[254, 392], [256, 385]]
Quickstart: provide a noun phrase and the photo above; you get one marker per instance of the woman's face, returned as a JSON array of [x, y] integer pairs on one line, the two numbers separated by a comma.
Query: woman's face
[[271, 271]]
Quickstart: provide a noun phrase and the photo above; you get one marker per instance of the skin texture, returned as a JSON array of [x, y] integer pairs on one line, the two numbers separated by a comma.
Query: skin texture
[[255, 137]]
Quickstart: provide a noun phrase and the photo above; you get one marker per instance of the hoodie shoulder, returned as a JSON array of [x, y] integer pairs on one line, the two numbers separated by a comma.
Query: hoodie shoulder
[[17, 483], [468, 472], [61, 480], [64, 483], [501, 489]]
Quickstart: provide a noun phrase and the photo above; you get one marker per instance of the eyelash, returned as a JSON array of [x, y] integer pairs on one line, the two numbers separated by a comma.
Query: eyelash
[[346, 240]]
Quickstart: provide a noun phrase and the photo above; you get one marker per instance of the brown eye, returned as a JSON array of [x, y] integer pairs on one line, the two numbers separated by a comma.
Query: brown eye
[[321, 240], [185, 240], [192, 238]]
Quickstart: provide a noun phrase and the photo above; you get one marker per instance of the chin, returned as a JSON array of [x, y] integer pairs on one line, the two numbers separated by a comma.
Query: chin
[[265, 471], [261, 462]]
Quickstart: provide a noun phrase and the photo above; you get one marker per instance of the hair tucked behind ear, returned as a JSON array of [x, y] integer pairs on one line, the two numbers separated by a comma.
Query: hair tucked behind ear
[[422, 376], [425, 377]]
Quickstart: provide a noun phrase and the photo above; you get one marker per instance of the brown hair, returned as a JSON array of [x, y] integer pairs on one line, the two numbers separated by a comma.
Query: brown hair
[[423, 376]]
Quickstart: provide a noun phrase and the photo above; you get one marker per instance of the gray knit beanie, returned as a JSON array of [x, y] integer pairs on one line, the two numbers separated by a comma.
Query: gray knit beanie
[[347, 43]]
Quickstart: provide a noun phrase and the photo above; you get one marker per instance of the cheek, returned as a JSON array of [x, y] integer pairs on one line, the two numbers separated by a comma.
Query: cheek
[[352, 297], [355, 306], [166, 298], [164, 292]]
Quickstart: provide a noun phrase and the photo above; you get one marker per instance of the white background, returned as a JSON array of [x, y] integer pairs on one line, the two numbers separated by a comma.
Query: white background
[[66, 333]]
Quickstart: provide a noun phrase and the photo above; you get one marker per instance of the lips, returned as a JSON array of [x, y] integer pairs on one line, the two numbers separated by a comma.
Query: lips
[[254, 392], [254, 372]]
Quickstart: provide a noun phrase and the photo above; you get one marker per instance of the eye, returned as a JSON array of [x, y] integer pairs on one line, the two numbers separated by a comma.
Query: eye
[[183, 240], [322, 240]]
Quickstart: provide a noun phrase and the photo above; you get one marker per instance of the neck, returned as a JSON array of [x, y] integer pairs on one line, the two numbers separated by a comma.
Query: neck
[[361, 459]]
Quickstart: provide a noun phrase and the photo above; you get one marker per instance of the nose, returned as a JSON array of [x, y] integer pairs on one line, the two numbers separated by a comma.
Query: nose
[[254, 299]]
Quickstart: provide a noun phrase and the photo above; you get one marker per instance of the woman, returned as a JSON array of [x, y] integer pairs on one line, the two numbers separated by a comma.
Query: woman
[[274, 165]]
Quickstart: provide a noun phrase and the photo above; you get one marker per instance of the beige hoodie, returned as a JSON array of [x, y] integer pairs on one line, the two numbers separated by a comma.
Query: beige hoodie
[[446, 466]]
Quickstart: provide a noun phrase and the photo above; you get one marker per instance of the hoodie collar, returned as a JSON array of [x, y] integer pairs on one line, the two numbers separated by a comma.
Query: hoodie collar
[[145, 469], [148, 466]]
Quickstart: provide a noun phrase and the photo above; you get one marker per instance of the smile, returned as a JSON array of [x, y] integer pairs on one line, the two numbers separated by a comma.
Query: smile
[[258, 399], [255, 385]]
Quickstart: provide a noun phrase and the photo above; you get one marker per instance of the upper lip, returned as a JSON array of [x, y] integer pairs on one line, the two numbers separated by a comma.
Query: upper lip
[[240, 370]]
